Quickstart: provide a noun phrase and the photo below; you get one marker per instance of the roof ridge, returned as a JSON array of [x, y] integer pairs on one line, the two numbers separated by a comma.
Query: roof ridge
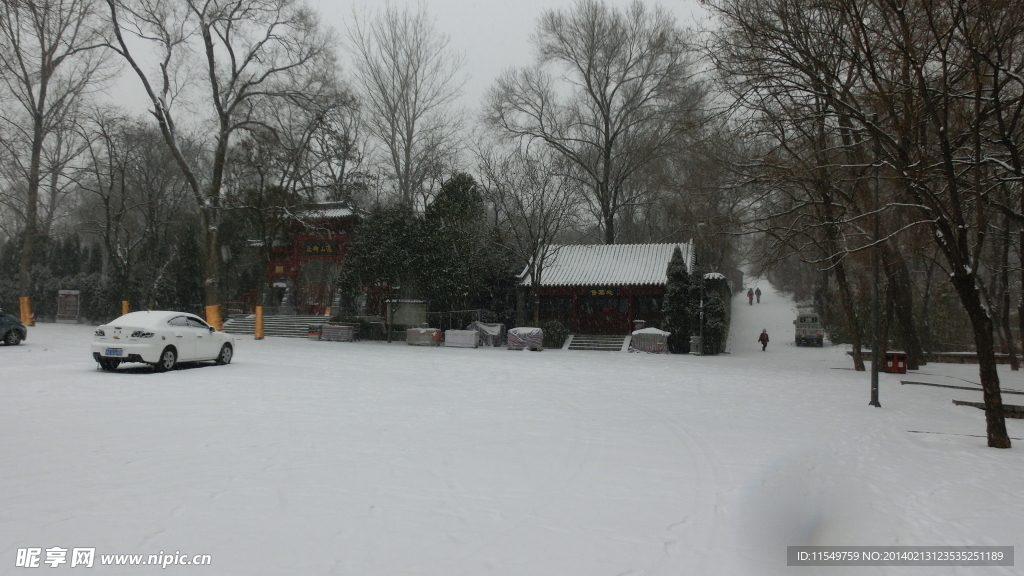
[[610, 264], [629, 244]]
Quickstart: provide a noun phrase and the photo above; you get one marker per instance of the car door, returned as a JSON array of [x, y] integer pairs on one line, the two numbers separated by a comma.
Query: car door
[[206, 343], [184, 338]]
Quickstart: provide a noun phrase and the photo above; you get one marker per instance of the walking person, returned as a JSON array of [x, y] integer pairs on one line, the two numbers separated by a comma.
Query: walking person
[[758, 294], [750, 296], [763, 339]]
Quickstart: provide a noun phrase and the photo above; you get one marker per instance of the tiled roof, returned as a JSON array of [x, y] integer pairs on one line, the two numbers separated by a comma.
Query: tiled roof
[[328, 210], [610, 265]]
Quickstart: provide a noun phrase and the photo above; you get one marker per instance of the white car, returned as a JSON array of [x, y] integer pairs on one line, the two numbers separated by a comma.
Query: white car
[[160, 338]]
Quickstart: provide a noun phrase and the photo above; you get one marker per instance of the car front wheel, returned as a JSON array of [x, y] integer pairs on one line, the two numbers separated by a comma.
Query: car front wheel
[[225, 355], [13, 338], [168, 358]]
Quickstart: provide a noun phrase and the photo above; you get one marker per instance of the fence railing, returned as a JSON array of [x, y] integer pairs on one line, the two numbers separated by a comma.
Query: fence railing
[[452, 319]]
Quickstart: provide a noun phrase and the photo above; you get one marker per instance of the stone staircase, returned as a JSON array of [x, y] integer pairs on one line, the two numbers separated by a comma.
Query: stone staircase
[[286, 326], [598, 342]]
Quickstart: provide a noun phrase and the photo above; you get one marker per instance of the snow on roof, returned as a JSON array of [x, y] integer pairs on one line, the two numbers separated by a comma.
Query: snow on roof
[[654, 331], [259, 243], [328, 210], [146, 318], [610, 265]]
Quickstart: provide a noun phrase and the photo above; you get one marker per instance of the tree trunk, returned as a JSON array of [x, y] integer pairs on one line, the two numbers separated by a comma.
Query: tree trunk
[[926, 299], [985, 345], [1004, 297], [898, 276], [888, 319], [28, 245], [211, 212], [1020, 297], [212, 257], [850, 311], [609, 229], [387, 317]]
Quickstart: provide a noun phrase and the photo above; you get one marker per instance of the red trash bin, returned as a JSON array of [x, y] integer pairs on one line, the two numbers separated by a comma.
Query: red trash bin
[[895, 363]]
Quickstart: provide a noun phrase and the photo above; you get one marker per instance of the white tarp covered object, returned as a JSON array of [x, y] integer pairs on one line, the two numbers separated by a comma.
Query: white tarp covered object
[[490, 334], [526, 337], [650, 340], [461, 338], [651, 331], [423, 337]]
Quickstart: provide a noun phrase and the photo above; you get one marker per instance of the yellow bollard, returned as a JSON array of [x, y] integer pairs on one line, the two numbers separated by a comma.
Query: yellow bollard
[[26, 311], [213, 317], [259, 323], [124, 307]]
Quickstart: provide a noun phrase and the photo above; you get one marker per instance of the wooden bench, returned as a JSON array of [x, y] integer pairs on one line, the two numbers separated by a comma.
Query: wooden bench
[[1009, 410]]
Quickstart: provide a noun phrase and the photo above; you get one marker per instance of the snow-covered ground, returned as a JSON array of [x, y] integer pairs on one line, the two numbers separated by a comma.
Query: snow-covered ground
[[312, 458]]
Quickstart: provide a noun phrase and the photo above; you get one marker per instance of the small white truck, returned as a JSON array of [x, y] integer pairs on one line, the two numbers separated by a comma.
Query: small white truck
[[808, 329]]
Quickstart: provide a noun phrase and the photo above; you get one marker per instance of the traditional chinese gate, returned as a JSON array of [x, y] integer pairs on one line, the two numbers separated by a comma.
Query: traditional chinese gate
[[603, 311]]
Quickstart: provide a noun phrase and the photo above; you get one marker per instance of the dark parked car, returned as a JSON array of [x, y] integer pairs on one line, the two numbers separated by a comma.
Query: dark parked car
[[12, 331]]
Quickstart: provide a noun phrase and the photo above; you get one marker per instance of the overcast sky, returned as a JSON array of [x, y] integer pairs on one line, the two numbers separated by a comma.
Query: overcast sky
[[493, 34]]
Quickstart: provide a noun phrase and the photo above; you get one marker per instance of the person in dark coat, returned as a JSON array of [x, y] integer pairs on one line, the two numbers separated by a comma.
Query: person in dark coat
[[763, 339], [750, 296], [758, 294]]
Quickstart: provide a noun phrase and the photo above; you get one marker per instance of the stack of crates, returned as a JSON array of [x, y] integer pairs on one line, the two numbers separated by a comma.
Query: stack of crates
[[335, 333]]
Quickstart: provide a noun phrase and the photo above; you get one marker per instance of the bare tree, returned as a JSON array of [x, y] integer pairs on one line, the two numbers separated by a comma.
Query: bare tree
[[628, 93], [112, 208], [303, 157], [535, 201], [408, 78], [48, 60], [132, 196], [253, 53], [337, 155], [61, 150], [313, 148], [921, 84]]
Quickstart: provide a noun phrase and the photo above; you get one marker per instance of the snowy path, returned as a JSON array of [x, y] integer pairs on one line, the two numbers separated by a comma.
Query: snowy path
[[775, 313], [324, 458]]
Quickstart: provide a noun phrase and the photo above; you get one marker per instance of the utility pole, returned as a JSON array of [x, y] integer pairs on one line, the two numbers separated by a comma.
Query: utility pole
[[702, 311], [875, 345], [700, 228]]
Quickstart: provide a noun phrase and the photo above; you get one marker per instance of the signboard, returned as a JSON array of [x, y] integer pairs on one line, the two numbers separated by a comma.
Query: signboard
[[320, 248], [600, 292], [67, 306]]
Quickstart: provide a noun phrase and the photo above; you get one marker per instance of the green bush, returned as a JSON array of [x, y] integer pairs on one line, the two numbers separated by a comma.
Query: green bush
[[715, 324], [555, 333], [677, 307]]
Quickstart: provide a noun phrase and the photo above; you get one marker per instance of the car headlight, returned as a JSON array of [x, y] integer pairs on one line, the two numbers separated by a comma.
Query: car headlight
[[99, 332], [141, 334]]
